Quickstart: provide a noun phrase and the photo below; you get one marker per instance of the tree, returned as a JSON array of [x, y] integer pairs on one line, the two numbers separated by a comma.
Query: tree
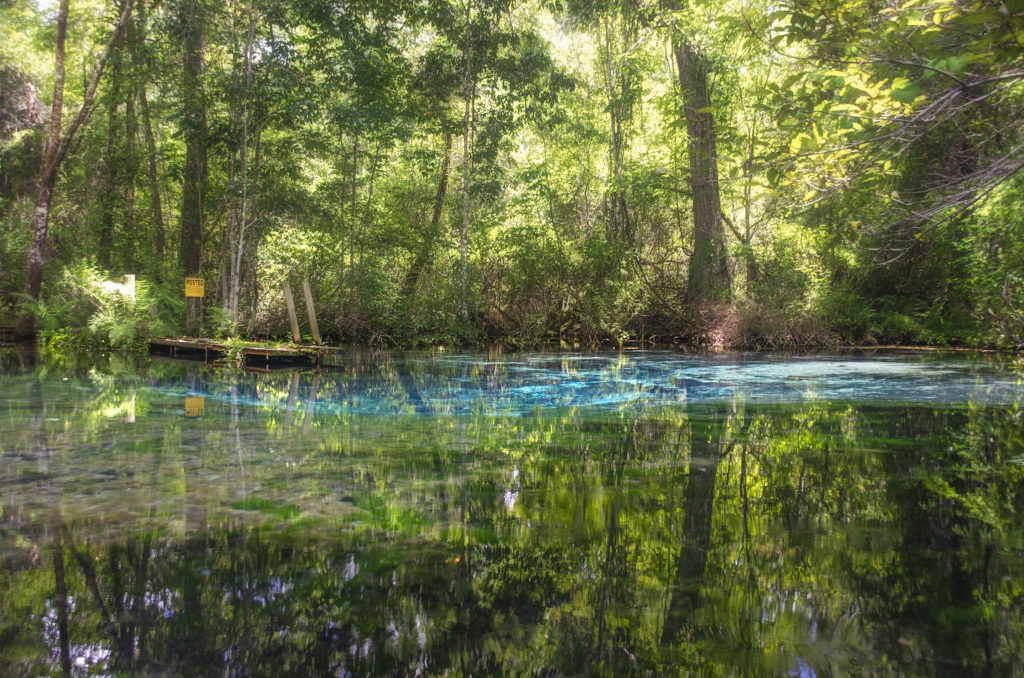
[[709, 278], [57, 149], [240, 215], [469, 100], [918, 94], [191, 24]]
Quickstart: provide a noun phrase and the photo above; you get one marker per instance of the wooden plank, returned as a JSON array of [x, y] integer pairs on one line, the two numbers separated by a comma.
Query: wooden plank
[[211, 349], [278, 352], [194, 344], [291, 312], [311, 312]]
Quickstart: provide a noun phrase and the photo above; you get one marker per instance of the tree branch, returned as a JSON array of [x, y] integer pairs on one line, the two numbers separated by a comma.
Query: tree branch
[[94, 82]]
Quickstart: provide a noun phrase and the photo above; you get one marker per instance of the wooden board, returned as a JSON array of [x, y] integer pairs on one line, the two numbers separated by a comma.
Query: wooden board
[[262, 356]]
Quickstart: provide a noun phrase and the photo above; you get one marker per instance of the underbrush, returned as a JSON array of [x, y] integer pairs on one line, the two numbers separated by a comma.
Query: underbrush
[[85, 310]]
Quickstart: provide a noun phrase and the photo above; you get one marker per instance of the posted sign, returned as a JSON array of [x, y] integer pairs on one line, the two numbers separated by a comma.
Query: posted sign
[[195, 287], [194, 406]]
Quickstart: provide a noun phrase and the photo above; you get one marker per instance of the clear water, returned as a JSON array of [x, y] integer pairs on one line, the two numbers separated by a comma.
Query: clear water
[[637, 513], [637, 381]]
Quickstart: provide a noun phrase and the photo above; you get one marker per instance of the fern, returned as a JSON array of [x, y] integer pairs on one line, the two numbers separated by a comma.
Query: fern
[[85, 309]]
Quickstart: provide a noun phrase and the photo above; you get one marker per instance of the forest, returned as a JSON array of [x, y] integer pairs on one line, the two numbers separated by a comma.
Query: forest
[[732, 173]]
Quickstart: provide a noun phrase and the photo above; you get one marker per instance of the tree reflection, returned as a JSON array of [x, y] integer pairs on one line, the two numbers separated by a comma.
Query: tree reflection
[[707, 448], [822, 538]]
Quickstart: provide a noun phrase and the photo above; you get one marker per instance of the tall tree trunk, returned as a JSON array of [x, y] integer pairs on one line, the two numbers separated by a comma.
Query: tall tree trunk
[[423, 256], [230, 230], [619, 111], [349, 302], [131, 131], [613, 120], [37, 254], [57, 150], [748, 208], [469, 91], [236, 105], [367, 214], [194, 124], [250, 249], [243, 224], [114, 162], [152, 177], [137, 39], [340, 284], [709, 280]]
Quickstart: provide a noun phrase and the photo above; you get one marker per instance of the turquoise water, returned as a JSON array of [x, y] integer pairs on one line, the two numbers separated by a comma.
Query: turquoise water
[[636, 381], [636, 513]]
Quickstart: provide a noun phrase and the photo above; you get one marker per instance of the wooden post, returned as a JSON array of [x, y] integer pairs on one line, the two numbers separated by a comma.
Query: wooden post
[[291, 312], [311, 312], [195, 290], [128, 287], [311, 403], [293, 393]]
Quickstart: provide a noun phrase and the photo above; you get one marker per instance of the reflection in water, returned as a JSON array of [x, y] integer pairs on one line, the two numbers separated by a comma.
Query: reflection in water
[[541, 514]]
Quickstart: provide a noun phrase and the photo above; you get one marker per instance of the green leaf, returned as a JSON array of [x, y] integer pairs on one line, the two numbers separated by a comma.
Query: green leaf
[[955, 64], [916, 18], [801, 142], [792, 80], [904, 91]]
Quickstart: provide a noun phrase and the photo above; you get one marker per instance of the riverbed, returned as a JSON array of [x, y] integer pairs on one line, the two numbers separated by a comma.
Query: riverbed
[[619, 513]]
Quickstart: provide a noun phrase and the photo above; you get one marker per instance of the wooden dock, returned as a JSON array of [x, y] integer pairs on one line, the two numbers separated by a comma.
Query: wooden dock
[[254, 357]]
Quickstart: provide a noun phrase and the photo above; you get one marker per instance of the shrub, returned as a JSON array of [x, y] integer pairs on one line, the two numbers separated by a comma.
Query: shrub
[[86, 310]]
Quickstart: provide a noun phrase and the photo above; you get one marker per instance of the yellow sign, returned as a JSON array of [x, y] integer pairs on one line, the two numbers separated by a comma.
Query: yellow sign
[[194, 406], [195, 287]]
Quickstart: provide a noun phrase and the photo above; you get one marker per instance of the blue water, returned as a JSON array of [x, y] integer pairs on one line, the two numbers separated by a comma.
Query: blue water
[[634, 381], [656, 513]]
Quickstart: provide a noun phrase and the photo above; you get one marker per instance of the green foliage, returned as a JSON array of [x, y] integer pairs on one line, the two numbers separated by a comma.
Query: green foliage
[[83, 309], [867, 161]]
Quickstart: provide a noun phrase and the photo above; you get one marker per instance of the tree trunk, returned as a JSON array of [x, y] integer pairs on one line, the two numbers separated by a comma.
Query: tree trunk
[[469, 91], [57, 150], [37, 254], [423, 256], [194, 124], [131, 171], [709, 280], [250, 250], [230, 231], [619, 112], [239, 246], [349, 303], [152, 176], [108, 200], [341, 225], [366, 222]]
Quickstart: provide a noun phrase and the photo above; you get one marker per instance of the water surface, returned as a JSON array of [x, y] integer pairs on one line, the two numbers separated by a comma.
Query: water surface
[[638, 513]]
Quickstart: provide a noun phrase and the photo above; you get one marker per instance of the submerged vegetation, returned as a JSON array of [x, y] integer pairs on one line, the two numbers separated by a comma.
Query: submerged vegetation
[[737, 172], [432, 516]]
